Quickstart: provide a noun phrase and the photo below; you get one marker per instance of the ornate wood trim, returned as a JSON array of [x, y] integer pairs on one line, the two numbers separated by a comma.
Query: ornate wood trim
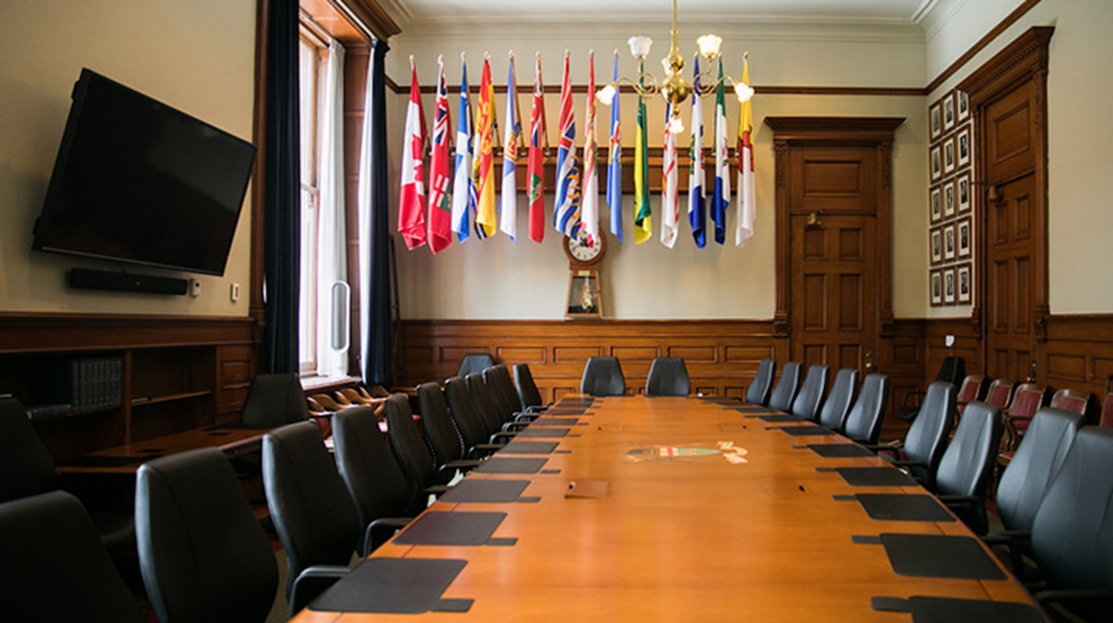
[[45, 332], [982, 43]]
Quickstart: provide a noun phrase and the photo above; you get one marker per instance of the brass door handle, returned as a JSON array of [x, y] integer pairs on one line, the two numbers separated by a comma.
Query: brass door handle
[[869, 362], [814, 220]]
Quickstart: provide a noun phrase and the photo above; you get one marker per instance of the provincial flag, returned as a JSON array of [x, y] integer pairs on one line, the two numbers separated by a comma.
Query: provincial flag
[[440, 209], [411, 204], [486, 219], [590, 204], [720, 200], [508, 221], [697, 208], [614, 164], [670, 192], [643, 223], [463, 190], [747, 199], [565, 214], [537, 159]]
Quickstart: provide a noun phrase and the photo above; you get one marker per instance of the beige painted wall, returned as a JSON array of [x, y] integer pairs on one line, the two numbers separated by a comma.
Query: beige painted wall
[[197, 56]]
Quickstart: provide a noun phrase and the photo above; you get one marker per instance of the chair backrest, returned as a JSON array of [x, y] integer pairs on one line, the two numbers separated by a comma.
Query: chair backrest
[[968, 460], [461, 406], [439, 429], [863, 423], [969, 391], [758, 391], [839, 400], [808, 402], [25, 465], [1106, 420], [484, 405], [58, 570], [367, 464], [1027, 399], [1071, 400], [785, 391], [603, 377], [274, 400], [953, 370], [1036, 462], [926, 438], [500, 387], [1072, 535], [528, 394], [310, 507], [668, 376], [202, 553], [475, 362], [999, 394], [409, 448]]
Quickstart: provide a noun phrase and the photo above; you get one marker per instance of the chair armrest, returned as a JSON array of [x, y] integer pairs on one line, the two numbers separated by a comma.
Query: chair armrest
[[502, 435], [484, 449], [893, 446], [382, 530], [311, 582], [912, 393], [1010, 540], [515, 426]]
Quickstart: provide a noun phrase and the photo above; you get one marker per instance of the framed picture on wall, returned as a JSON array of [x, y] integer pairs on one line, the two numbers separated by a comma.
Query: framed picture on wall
[[936, 246], [962, 186], [965, 244], [964, 146], [936, 205], [948, 286], [949, 155], [936, 163], [935, 114], [948, 111], [963, 105], [949, 199], [950, 246], [936, 288], [965, 287]]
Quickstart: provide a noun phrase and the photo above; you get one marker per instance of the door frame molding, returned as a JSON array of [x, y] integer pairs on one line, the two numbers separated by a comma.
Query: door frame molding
[[876, 132]]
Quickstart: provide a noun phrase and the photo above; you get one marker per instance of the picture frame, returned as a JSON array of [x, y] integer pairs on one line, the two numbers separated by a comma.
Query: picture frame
[[965, 240], [965, 284], [935, 115], [950, 244], [936, 288], [949, 294], [949, 204], [962, 192], [936, 246], [963, 105], [949, 111], [949, 156], [936, 204], [936, 163], [963, 146]]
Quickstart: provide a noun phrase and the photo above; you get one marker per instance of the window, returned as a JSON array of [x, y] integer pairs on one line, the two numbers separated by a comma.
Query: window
[[311, 56]]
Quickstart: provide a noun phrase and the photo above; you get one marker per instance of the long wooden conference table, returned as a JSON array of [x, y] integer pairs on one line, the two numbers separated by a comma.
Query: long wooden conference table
[[678, 509]]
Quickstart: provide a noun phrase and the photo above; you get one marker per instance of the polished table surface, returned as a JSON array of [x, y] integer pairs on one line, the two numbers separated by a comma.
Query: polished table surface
[[692, 512], [126, 459]]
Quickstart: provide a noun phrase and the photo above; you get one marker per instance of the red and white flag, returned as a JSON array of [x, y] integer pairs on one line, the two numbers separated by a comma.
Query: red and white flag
[[411, 205], [536, 159], [440, 171]]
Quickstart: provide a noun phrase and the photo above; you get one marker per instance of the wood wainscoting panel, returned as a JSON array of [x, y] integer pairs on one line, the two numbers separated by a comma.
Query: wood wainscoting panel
[[1078, 353]]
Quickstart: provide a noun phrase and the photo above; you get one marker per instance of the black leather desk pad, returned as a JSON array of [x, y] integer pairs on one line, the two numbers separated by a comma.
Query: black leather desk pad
[[872, 476], [936, 556], [543, 431], [838, 450], [772, 419], [456, 528], [496, 491], [555, 421], [756, 409], [529, 447], [106, 461], [810, 430], [899, 506], [395, 586], [951, 610], [561, 411], [497, 465]]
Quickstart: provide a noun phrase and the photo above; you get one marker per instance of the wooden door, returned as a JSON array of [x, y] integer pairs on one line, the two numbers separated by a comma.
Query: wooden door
[[834, 316]]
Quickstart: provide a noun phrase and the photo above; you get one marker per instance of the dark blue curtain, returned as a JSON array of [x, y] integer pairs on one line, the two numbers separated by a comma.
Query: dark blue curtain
[[377, 369], [281, 213]]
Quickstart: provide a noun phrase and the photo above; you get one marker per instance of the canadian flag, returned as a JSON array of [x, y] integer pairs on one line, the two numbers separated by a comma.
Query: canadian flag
[[411, 205]]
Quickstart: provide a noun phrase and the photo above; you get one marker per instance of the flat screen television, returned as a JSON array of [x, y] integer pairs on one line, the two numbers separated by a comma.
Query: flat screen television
[[140, 182]]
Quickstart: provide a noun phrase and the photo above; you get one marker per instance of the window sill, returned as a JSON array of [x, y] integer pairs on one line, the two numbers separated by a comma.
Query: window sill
[[321, 383]]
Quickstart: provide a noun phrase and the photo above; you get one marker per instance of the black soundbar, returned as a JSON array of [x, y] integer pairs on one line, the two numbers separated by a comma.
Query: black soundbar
[[124, 282]]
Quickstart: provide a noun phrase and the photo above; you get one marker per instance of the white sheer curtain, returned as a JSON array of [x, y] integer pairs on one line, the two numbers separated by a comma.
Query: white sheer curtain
[[332, 263]]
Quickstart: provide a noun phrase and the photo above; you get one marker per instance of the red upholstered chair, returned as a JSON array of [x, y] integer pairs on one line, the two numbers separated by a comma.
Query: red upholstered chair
[[1071, 400], [1106, 420], [1000, 393], [1027, 399], [969, 391]]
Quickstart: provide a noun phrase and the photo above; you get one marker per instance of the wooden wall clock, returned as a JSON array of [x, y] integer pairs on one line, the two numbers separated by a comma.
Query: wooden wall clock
[[585, 293]]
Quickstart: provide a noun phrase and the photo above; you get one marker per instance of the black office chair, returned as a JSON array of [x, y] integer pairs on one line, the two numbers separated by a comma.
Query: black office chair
[[528, 393], [603, 377], [57, 568], [441, 434], [952, 371], [863, 423], [1036, 462], [274, 400], [413, 455], [203, 555], [668, 376], [785, 391], [925, 442], [500, 388], [808, 402], [372, 474], [492, 415], [967, 464], [758, 391], [475, 362], [311, 509], [838, 402], [465, 413]]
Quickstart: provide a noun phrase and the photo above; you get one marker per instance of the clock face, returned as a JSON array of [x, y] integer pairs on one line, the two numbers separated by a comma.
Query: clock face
[[581, 251]]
